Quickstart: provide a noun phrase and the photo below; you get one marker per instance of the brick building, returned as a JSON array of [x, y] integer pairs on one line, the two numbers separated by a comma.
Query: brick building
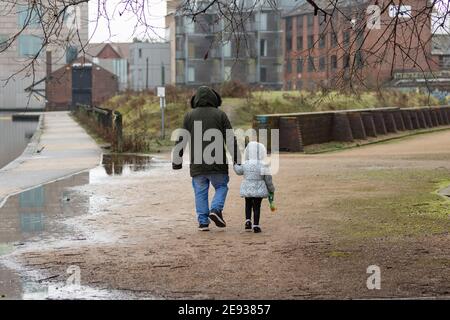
[[351, 46], [22, 38], [79, 82], [114, 57]]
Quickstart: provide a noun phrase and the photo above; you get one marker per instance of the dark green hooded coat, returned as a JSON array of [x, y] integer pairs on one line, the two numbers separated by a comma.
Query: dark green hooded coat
[[205, 105]]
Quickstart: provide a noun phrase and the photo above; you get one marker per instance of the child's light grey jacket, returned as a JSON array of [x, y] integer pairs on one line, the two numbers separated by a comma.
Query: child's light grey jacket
[[257, 181]]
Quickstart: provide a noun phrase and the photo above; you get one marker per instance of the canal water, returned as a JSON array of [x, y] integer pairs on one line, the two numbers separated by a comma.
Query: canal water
[[37, 215], [14, 137]]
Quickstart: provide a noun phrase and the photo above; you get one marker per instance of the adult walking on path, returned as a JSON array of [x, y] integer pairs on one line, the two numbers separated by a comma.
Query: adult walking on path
[[206, 116]]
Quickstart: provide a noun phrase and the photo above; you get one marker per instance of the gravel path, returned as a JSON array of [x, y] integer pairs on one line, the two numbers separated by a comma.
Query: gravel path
[[150, 244]]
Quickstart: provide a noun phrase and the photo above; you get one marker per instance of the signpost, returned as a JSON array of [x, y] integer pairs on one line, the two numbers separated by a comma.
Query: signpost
[[161, 93]]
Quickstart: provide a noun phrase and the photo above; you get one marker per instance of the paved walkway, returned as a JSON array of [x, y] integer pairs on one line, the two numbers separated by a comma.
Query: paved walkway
[[67, 149]]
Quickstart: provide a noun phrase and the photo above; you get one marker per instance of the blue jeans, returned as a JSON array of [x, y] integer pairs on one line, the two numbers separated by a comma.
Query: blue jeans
[[200, 184]]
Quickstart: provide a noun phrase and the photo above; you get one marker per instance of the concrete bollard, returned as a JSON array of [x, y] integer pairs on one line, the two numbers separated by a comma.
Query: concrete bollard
[[427, 115], [369, 124], [399, 120], [341, 130], [378, 120], [444, 116], [406, 115], [390, 122], [422, 119], [416, 115], [434, 118], [357, 125], [447, 110]]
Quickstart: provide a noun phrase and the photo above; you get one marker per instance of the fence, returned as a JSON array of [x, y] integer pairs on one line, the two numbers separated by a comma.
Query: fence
[[105, 122], [298, 130]]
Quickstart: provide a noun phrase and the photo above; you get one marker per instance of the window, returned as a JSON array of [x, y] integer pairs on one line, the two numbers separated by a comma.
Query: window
[[191, 74], [288, 66], [72, 54], [334, 39], [299, 84], [288, 25], [29, 45], [263, 74], [227, 73], [322, 22], [140, 53], [322, 63], [288, 34], [310, 19], [346, 38], [333, 62], [189, 25], [263, 21], [322, 41], [28, 16], [359, 59], [299, 65], [288, 43], [299, 43], [310, 42], [346, 61], [311, 66], [3, 42], [360, 38], [263, 48], [227, 49], [299, 23]]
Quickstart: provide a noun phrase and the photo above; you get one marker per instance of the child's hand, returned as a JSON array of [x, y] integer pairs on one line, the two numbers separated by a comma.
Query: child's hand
[[271, 203]]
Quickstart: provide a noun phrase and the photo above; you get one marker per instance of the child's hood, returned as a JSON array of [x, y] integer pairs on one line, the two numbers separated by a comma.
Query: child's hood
[[255, 151]]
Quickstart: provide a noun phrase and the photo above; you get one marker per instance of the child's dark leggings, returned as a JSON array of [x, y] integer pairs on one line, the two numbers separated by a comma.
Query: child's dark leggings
[[255, 204]]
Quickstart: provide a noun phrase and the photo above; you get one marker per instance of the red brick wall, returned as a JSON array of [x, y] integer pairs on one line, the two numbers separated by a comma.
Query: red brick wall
[[59, 89], [378, 68], [104, 85], [108, 53]]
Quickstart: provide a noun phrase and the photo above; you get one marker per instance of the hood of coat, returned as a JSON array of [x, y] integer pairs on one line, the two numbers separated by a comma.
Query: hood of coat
[[206, 97], [255, 151]]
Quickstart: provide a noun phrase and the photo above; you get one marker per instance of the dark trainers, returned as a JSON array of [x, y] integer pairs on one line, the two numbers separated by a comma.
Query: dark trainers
[[216, 217], [257, 229], [248, 225], [203, 227]]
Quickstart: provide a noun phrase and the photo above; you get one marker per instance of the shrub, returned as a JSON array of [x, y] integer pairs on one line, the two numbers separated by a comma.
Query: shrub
[[234, 89]]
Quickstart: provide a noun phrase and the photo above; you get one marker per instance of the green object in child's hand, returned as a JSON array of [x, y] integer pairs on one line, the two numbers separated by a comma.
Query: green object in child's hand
[[271, 202]]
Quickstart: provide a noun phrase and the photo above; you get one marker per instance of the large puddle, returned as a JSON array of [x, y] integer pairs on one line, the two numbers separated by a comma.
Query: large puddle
[[14, 137], [38, 214]]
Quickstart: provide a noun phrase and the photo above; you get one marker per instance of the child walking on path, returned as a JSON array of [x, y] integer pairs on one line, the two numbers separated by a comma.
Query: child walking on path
[[257, 183]]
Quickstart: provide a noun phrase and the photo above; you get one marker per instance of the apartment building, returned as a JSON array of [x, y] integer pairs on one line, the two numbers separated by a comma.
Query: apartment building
[[210, 50], [149, 65], [354, 46], [21, 39]]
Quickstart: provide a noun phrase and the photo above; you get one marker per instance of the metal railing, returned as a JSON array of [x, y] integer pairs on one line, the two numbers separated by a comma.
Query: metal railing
[[105, 122]]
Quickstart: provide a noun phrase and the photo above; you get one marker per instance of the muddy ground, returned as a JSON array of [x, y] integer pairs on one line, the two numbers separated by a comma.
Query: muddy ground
[[337, 214]]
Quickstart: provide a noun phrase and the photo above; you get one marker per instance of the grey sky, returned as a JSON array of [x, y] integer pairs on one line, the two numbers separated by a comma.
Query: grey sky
[[122, 28]]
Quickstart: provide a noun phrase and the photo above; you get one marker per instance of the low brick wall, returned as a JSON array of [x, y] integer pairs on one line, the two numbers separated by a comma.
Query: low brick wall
[[302, 129]]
